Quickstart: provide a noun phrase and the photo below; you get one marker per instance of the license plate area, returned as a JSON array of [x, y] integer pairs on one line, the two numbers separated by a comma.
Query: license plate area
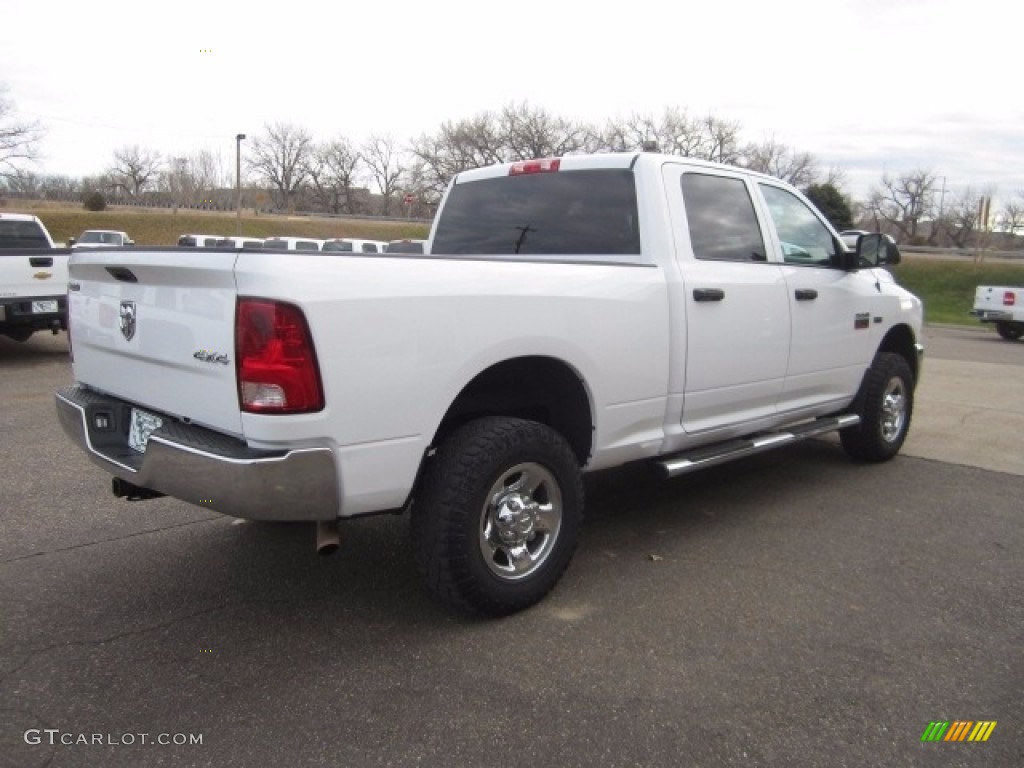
[[44, 307], [142, 425]]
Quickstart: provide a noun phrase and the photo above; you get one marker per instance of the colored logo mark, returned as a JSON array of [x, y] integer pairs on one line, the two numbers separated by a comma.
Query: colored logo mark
[[958, 730]]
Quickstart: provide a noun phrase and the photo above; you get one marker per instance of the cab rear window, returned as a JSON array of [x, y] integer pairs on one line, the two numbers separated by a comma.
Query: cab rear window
[[564, 213], [22, 234]]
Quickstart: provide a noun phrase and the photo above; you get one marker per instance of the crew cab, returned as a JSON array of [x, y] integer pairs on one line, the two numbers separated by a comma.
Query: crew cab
[[33, 278], [571, 314], [1002, 306]]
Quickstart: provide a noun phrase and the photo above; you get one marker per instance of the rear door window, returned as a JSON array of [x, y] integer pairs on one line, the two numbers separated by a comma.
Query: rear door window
[[721, 219], [563, 213]]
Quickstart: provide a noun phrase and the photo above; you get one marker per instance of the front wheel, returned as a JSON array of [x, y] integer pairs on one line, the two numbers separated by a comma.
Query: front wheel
[[498, 515], [885, 404], [1010, 331]]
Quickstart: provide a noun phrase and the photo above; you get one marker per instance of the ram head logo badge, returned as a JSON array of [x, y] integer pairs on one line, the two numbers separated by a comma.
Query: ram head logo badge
[[128, 319]]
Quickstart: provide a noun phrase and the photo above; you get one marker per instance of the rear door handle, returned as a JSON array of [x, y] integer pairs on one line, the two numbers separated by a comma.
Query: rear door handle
[[708, 294], [806, 294]]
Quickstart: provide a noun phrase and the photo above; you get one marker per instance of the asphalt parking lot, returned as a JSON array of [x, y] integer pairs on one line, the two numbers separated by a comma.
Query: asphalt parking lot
[[794, 609]]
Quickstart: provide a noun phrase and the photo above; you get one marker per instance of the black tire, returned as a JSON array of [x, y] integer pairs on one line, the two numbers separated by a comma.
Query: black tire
[[497, 488], [885, 405], [1010, 331]]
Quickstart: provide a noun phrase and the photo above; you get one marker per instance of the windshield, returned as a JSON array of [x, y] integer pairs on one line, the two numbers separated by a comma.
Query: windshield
[[99, 237], [587, 212]]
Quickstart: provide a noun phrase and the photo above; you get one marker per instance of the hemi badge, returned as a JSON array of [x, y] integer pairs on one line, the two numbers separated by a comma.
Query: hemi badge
[[861, 321], [42, 275]]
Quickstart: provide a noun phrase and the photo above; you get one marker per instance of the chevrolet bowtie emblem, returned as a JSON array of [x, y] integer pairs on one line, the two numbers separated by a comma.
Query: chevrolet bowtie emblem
[[42, 275]]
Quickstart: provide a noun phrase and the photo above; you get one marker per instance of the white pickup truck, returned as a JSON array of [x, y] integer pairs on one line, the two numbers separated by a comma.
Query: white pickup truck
[[33, 278], [572, 314], [1003, 306]]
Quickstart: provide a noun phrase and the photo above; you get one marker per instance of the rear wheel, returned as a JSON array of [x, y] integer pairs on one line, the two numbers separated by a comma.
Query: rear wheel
[[1010, 331], [885, 404], [498, 514]]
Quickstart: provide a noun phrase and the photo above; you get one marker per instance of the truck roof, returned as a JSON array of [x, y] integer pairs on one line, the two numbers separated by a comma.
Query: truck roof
[[592, 161]]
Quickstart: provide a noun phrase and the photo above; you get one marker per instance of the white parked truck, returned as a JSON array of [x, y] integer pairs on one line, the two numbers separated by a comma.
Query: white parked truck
[[572, 314], [1003, 306], [33, 278]]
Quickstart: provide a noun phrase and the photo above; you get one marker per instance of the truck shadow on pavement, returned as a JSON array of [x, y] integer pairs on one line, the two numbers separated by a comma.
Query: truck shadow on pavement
[[41, 347]]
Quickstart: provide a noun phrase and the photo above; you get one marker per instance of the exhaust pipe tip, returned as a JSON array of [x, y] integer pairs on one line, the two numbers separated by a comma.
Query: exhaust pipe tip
[[122, 489], [328, 539]]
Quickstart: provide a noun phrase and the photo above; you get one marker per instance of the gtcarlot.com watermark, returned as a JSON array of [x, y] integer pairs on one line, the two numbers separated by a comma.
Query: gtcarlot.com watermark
[[56, 737]]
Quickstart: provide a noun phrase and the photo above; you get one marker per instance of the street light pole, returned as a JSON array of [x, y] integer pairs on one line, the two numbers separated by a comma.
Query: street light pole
[[238, 183]]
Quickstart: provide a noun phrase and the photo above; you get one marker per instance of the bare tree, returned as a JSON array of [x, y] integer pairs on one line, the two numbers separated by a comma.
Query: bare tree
[[776, 159], [527, 133], [134, 168], [23, 183], [675, 132], [722, 142], [904, 200], [457, 146], [57, 187], [19, 139], [1011, 216], [959, 218], [281, 158], [384, 166], [193, 181], [332, 169]]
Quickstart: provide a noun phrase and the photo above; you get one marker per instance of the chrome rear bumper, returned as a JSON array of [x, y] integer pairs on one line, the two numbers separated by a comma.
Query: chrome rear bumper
[[203, 467]]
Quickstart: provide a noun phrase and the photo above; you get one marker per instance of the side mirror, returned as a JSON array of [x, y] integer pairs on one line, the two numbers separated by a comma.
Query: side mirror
[[129, 242], [71, 241], [876, 251]]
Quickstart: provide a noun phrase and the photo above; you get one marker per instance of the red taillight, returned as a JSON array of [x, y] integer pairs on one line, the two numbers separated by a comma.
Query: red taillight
[[1009, 298], [275, 359], [547, 165]]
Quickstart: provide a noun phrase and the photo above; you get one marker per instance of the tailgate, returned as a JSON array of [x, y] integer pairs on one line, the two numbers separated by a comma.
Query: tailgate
[[28, 274], [998, 298], [156, 328]]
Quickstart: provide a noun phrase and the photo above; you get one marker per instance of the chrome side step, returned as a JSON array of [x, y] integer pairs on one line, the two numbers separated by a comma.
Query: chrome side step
[[710, 455]]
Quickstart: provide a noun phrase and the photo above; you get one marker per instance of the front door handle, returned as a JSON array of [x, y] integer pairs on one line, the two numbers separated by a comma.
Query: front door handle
[[806, 294], [708, 294]]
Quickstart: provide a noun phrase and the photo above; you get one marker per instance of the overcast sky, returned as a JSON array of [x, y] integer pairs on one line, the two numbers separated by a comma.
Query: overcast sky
[[865, 85]]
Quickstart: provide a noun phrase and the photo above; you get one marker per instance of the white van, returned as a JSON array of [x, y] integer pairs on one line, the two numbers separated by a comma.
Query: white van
[[199, 241], [293, 243], [246, 243], [355, 245]]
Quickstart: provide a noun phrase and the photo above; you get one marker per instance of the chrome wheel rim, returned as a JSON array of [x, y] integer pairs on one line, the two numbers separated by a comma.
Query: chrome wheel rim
[[894, 409], [520, 521]]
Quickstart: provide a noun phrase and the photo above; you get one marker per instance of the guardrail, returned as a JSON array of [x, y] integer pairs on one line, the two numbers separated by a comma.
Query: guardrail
[[966, 253]]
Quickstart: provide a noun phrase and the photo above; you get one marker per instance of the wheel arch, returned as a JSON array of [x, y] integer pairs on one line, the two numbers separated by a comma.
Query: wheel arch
[[902, 341], [539, 388]]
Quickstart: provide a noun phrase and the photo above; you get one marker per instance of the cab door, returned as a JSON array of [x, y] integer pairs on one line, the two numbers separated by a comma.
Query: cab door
[[736, 310], [830, 306]]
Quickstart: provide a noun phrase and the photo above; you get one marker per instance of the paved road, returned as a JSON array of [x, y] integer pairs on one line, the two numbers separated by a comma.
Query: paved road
[[794, 609]]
